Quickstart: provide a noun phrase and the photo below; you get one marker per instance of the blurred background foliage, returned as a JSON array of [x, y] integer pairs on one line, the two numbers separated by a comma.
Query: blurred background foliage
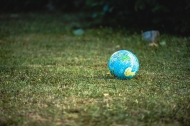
[[167, 15]]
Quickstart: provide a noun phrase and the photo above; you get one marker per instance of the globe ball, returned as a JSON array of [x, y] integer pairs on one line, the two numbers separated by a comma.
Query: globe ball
[[123, 64]]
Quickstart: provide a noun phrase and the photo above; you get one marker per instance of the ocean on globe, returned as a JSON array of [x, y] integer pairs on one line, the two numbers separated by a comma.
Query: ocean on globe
[[123, 64]]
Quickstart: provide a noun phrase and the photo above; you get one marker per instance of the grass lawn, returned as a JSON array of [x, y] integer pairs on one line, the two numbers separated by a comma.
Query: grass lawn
[[51, 77]]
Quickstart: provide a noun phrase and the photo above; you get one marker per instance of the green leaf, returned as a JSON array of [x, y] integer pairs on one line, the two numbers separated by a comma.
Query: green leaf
[[140, 4], [160, 8]]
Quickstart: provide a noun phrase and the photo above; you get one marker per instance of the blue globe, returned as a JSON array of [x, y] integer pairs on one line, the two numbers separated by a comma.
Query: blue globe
[[123, 64]]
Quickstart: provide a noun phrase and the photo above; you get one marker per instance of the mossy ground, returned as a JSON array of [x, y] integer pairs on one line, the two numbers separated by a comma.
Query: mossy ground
[[49, 76]]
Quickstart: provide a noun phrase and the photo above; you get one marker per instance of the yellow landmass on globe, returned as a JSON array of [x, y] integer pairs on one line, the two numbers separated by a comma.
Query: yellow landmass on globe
[[128, 72]]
